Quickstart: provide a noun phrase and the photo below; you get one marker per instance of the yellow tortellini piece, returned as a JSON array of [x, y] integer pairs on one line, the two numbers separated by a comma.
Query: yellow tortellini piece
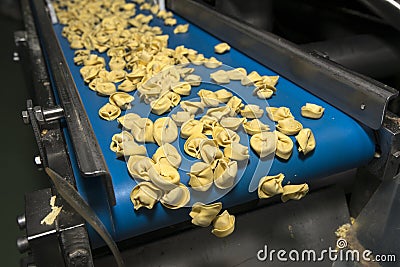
[[237, 74], [139, 168], [142, 130], [235, 103], [208, 98], [160, 105], [221, 48], [192, 107], [237, 151], [263, 93], [212, 63], [289, 126], [177, 198], [294, 192], [191, 127], [123, 144], [122, 100], [183, 28], [251, 78], [117, 76], [220, 77], [167, 154], [209, 123], [109, 112], [164, 176], [209, 151], [117, 63], [306, 141], [182, 88], [224, 224], [201, 176], [127, 86], [192, 145], [225, 137], [193, 80], [182, 117], [223, 95], [284, 146], [145, 194], [232, 123], [220, 112], [270, 186], [105, 88], [225, 173], [277, 114], [165, 131], [170, 22], [203, 215], [252, 111], [312, 111], [255, 126], [263, 143]]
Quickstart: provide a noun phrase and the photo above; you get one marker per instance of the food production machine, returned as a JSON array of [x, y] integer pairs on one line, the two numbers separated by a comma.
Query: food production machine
[[351, 171]]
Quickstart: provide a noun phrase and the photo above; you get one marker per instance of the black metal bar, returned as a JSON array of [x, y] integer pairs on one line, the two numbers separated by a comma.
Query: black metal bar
[[360, 97], [89, 157]]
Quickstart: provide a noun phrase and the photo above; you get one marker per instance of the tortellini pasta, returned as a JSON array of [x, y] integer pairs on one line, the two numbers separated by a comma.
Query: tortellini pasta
[[142, 130], [225, 137], [201, 176], [123, 144], [209, 123], [191, 127], [232, 123], [284, 146], [223, 225], [263, 143], [105, 88], [225, 173], [193, 80], [255, 126], [252, 112], [221, 48], [167, 154], [177, 198], [220, 77], [208, 98], [183, 28], [223, 95], [220, 112], [209, 150], [203, 215], [139, 168], [212, 63], [306, 141], [235, 103], [294, 192], [237, 74], [109, 112], [277, 114], [181, 117], [270, 186], [312, 111], [182, 88], [164, 176], [192, 145], [165, 131], [192, 107], [237, 151], [145, 194], [122, 100], [289, 126]]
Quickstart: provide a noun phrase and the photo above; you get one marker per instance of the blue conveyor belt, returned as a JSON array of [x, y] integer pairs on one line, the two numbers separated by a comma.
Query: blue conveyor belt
[[342, 143]]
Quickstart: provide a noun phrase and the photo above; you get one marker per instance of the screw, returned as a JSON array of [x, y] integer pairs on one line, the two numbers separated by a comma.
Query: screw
[[21, 220], [362, 107], [22, 244], [25, 117]]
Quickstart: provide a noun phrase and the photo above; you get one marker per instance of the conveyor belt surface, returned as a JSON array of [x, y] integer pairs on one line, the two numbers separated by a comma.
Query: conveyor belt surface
[[342, 143]]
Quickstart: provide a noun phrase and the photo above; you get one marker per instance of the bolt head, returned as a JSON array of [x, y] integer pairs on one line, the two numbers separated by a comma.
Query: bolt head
[[25, 117]]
